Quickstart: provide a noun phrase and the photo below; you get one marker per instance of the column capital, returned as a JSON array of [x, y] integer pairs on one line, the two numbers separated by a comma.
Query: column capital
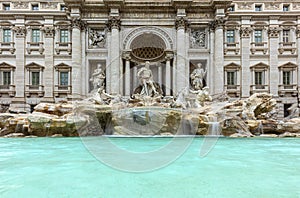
[[169, 55], [20, 31], [49, 31], [181, 22], [126, 55], [218, 22], [78, 23], [274, 32], [245, 32], [114, 22]]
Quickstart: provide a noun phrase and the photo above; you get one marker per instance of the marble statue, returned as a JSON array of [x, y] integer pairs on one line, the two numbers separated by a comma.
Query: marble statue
[[98, 78], [197, 77], [146, 81]]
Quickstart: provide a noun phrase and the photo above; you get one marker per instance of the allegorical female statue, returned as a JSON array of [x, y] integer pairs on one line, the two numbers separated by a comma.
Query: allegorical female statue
[[98, 78], [197, 77]]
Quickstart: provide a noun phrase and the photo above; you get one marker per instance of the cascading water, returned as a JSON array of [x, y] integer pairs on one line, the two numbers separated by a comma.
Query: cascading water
[[214, 128]]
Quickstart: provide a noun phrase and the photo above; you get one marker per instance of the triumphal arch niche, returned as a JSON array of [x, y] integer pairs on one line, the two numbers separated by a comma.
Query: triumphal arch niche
[[151, 44]]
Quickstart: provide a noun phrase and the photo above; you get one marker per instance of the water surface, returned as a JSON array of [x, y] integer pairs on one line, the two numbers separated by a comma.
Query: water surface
[[63, 167]]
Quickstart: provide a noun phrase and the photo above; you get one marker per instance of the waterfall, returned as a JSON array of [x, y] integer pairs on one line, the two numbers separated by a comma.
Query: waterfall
[[214, 128]]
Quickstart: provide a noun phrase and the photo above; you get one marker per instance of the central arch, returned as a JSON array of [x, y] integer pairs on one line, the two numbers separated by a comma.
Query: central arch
[[147, 44]]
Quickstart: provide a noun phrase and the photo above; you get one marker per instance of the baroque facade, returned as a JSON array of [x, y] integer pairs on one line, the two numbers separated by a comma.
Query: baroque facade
[[50, 49]]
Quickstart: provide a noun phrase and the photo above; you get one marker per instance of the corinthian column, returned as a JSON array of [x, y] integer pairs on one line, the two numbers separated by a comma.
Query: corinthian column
[[20, 33], [77, 26], [219, 56], [182, 77], [114, 64], [274, 45], [49, 62], [245, 33]]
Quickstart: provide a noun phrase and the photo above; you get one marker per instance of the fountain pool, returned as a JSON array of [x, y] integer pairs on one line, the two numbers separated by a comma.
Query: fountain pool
[[63, 167]]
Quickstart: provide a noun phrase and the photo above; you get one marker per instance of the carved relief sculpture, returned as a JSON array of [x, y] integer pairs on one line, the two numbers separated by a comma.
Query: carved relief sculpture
[[97, 38], [197, 39]]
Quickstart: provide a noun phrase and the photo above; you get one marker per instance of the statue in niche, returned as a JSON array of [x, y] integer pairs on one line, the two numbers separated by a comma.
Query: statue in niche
[[96, 38], [198, 38], [147, 86], [98, 79], [197, 77]]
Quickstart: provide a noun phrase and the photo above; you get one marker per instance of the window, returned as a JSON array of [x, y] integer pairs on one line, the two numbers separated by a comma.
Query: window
[[63, 78], [231, 78], [35, 7], [64, 36], [6, 35], [35, 78], [62, 7], [258, 36], [258, 8], [35, 36], [6, 6], [259, 78], [230, 36], [285, 36], [6, 80], [286, 8], [287, 77]]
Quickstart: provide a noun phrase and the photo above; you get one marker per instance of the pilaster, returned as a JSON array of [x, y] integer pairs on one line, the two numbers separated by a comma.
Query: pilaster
[[77, 27], [245, 33], [273, 59], [49, 62], [20, 33]]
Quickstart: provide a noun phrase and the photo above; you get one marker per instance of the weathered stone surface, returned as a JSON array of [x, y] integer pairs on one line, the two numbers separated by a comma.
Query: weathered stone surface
[[14, 135], [233, 125], [287, 134], [291, 125], [271, 135], [239, 135]]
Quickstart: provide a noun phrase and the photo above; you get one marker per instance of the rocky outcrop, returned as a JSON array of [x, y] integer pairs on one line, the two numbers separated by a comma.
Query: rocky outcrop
[[241, 118]]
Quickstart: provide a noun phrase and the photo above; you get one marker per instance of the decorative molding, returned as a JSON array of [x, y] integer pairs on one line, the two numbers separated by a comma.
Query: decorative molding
[[245, 32], [273, 32], [272, 6], [49, 5], [20, 31], [114, 22], [49, 31], [155, 30], [244, 6], [20, 5]]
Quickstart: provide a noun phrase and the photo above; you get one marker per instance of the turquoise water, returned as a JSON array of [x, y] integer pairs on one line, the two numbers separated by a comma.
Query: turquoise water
[[63, 167]]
